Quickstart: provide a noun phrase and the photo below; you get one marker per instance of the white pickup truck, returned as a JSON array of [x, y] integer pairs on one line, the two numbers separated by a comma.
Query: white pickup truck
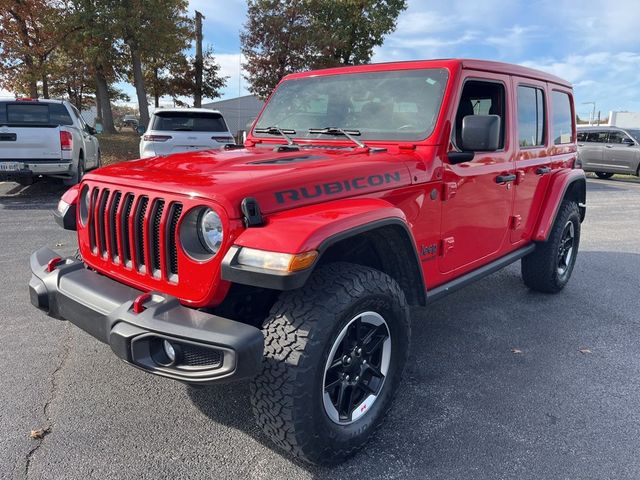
[[45, 137]]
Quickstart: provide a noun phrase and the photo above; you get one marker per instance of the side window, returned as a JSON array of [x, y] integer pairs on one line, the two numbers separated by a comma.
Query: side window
[[531, 117], [617, 136], [562, 121], [481, 98], [582, 136], [597, 137]]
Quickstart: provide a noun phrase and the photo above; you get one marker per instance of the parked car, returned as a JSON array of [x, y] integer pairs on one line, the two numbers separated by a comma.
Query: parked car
[[130, 121], [609, 150], [45, 137], [181, 130], [293, 260]]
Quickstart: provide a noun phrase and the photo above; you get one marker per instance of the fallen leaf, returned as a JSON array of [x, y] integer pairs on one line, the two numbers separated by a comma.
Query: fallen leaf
[[516, 351], [584, 350], [40, 432]]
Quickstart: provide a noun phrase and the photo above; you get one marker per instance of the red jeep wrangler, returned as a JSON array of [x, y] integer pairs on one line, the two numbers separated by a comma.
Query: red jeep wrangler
[[293, 260]]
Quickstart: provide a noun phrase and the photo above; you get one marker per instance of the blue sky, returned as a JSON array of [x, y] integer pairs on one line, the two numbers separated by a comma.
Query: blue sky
[[594, 44]]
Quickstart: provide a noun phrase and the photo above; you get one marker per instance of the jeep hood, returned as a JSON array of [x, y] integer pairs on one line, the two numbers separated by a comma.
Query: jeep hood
[[277, 180]]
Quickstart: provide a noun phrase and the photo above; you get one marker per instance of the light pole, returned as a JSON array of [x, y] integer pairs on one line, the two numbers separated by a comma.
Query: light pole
[[593, 114]]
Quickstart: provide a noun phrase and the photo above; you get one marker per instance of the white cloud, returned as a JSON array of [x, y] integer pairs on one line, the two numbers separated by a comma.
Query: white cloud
[[230, 67]]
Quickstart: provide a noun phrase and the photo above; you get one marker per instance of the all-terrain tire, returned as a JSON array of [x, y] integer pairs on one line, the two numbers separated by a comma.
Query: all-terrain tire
[[300, 331], [604, 175], [546, 269]]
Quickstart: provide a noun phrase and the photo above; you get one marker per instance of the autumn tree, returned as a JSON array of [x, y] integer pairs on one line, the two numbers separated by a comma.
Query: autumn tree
[[29, 33], [285, 36]]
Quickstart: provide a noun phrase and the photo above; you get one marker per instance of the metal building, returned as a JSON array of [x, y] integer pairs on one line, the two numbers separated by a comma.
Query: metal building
[[238, 112]]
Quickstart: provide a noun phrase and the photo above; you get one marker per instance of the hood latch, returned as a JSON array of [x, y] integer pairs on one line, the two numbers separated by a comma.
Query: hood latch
[[251, 211]]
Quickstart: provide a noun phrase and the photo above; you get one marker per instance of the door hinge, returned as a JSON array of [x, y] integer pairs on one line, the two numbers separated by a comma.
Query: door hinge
[[516, 221], [447, 244], [449, 190]]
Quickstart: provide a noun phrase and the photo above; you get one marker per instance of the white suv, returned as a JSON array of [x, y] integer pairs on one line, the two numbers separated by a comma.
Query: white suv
[[174, 130]]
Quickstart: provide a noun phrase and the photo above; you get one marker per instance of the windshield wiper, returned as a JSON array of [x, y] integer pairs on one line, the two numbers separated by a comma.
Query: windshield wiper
[[283, 132], [339, 131]]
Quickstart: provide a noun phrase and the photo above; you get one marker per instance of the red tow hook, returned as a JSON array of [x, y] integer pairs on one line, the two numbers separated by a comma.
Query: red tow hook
[[53, 263], [138, 303]]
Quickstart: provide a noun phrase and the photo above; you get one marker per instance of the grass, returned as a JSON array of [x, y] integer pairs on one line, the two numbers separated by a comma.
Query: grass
[[118, 147]]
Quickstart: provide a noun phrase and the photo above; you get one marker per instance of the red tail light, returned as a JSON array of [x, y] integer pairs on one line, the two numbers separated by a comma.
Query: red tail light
[[66, 140], [156, 138]]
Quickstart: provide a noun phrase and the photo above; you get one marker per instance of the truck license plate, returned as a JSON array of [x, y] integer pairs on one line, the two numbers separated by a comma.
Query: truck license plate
[[10, 166]]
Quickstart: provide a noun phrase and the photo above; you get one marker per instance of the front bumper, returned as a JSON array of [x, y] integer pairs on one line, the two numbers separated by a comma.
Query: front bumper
[[209, 348]]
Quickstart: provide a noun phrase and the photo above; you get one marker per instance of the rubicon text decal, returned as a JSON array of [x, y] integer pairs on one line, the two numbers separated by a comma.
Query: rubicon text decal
[[334, 188]]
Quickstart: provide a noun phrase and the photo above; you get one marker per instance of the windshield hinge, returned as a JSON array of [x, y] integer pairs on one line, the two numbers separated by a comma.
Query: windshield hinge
[[251, 211]]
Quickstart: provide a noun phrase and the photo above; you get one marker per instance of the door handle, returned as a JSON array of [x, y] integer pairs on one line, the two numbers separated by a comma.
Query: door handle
[[506, 178], [543, 170], [609, 146]]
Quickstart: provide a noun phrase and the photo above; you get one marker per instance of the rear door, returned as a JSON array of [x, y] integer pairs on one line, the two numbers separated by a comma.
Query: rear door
[[619, 153], [533, 161], [29, 130], [591, 148], [477, 205]]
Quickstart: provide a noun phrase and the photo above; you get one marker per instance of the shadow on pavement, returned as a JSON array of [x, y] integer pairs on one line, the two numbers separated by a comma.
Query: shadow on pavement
[[469, 407], [43, 194]]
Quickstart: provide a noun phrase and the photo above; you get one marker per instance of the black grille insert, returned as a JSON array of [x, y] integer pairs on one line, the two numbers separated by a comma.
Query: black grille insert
[[195, 356]]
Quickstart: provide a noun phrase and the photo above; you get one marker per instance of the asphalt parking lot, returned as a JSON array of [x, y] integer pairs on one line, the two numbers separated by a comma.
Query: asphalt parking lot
[[566, 407]]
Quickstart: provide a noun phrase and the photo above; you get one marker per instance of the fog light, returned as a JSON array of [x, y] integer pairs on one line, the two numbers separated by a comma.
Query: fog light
[[169, 351]]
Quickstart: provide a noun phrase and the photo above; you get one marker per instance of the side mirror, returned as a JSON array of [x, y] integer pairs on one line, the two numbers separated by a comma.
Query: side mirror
[[480, 133], [628, 142], [141, 129], [91, 130]]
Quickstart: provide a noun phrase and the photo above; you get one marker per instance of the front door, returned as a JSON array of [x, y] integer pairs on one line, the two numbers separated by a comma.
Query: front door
[[620, 153], [478, 195]]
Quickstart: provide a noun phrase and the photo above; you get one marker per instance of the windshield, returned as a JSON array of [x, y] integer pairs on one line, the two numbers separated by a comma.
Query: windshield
[[635, 134], [189, 122], [392, 105]]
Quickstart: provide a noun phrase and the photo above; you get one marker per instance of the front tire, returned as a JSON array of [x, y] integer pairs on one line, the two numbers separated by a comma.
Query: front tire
[[549, 267], [604, 175], [334, 355]]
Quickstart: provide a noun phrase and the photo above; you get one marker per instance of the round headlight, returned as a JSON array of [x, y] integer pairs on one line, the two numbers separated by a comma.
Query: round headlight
[[210, 230], [84, 203]]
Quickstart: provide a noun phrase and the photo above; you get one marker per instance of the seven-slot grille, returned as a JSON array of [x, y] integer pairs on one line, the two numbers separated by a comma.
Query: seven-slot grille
[[137, 231]]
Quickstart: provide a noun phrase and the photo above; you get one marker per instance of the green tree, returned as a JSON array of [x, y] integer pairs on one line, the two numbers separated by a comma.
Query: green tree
[[150, 29], [276, 41], [95, 43], [183, 82], [285, 36], [348, 30]]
